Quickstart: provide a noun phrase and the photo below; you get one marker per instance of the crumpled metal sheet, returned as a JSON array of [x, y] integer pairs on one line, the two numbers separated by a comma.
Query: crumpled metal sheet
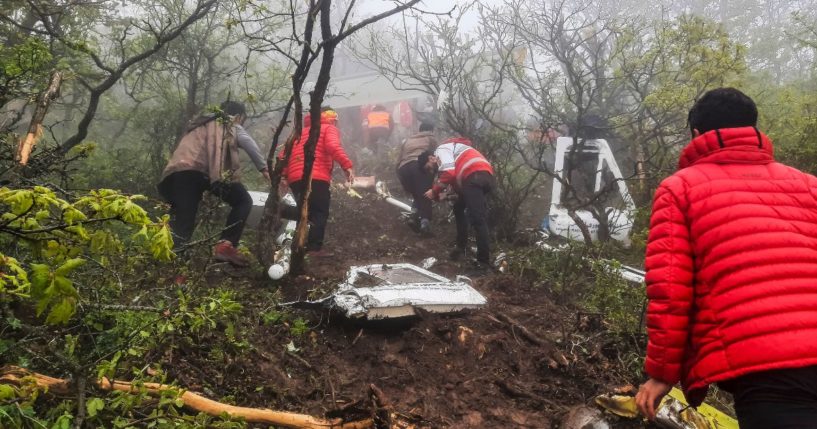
[[672, 413], [381, 291]]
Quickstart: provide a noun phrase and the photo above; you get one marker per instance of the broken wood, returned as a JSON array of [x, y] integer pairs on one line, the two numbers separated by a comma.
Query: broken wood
[[35, 129], [17, 376], [557, 358]]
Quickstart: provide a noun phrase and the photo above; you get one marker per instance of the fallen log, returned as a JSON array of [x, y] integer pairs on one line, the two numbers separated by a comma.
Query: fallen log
[[17, 376]]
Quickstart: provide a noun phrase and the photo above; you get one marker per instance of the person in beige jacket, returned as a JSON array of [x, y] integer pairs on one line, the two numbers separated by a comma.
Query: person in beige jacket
[[206, 159], [414, 178]]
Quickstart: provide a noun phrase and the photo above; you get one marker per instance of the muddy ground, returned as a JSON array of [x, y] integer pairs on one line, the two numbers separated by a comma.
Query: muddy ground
[[520, 363]]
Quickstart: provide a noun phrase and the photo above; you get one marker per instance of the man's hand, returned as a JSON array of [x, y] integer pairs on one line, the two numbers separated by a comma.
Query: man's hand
[[429, 194], [265, 173], [650, 395], [350, 176]]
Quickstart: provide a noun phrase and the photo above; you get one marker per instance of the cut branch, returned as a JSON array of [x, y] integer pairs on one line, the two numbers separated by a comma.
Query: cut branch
[[17, 376]]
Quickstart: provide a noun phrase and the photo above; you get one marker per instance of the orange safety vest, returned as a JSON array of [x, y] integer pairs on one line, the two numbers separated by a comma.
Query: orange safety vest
[[378, 119]]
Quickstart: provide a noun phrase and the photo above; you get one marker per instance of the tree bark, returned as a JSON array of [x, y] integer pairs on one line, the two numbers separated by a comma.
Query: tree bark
[[35, 128]]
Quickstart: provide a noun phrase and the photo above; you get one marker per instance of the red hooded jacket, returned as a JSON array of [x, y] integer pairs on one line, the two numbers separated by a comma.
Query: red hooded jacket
[[731, 264], [328, 151]]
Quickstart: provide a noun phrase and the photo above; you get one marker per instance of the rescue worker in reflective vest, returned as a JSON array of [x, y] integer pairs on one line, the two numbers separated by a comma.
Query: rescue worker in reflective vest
[[206, 159], [414, 177], [379, 126], [466, 170]]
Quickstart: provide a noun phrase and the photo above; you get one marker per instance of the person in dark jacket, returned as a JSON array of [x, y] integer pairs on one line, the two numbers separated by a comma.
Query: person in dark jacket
[[206, 159], [416, 180], [731, 277]]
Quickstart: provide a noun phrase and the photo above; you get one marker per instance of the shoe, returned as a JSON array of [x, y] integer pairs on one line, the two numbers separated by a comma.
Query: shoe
[[224, 251], [322, 253], [413, 223], [425, 228], [480, 268], [456, 253]]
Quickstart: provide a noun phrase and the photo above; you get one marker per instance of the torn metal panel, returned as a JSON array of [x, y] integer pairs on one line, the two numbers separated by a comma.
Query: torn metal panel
[[672, 413], [382, 291]]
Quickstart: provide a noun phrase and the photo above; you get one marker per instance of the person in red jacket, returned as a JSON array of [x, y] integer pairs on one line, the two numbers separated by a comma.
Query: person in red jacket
[[731, 278], [328, 151], [466, 170]]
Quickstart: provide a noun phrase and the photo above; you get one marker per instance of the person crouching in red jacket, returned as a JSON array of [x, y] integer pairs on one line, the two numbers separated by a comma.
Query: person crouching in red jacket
[[328, 151], [469, 173], [732, 273]]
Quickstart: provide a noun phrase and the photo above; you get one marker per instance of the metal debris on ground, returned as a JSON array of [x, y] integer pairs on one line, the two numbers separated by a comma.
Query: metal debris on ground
[[584, 417], [672, 413], [428, 262], [385, 291]]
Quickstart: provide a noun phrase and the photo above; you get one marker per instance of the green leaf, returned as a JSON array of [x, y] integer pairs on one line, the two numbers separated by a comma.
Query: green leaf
[[64, 422], [7, 392], [69, 266], [94, 405], [40, 279], [62, 312]]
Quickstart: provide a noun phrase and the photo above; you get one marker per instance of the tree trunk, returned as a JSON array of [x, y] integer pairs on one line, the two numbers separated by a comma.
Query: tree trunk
[[315, 101]]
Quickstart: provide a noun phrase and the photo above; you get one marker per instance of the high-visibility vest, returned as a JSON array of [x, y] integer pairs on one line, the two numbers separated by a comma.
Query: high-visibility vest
[[378, 119]]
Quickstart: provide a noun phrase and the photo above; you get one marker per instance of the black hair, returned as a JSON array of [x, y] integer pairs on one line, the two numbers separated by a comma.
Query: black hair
[[426, 126], [234, 108], [326, 107], [422, 159], [379, 108], [722, 108]]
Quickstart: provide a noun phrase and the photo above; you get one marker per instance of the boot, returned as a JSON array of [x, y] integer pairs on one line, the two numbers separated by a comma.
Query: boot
[[457, 253], [425, 228], [224, 251]]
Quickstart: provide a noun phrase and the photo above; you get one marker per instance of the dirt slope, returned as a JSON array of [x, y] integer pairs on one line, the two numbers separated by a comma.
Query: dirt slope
[[500, 367]]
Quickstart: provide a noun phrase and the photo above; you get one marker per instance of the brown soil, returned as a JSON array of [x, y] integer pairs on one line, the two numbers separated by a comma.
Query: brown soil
[[470, 370]]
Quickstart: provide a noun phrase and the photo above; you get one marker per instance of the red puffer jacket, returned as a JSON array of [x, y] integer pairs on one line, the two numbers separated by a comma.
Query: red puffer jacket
[[328, 151], [731, 264]]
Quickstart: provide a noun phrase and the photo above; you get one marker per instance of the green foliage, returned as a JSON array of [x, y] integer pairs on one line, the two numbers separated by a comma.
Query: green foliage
[[621, 302], [788, 115], [13, 277], [24, 68], [583, 276], [663, 68], [299, 327], [58, 236], [563, 272], [272, 317]]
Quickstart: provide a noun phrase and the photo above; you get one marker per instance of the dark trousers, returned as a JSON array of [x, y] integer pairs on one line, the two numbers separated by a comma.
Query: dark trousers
[[376, 137], [184, 189], [318, 215], [417, 181], [778, 399], [473, 198]]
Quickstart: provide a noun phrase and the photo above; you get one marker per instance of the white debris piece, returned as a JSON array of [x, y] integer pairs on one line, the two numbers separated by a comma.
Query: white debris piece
[[428, 262], [259, 199], [383, 191], [382, 291]]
